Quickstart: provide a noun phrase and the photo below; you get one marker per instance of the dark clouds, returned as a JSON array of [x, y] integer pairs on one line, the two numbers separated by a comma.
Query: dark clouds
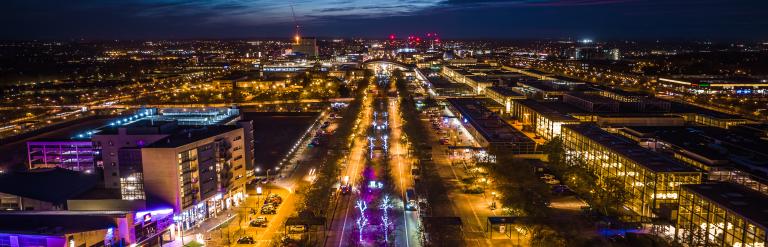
[[598, 19]]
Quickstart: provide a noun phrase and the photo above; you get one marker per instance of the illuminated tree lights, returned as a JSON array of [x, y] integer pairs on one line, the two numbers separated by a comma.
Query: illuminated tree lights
[[362, 221]]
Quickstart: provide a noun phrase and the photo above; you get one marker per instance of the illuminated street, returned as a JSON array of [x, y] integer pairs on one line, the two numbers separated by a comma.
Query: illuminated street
[[435, 123]]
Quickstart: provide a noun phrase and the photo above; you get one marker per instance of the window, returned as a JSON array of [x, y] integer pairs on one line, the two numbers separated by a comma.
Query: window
[[114, 174]]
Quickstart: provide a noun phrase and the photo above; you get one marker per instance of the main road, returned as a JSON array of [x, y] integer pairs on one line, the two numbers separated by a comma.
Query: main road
[[383, 110], [341, 222]]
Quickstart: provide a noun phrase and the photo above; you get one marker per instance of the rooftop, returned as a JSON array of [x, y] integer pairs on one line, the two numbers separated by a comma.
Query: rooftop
[[544, 110], [593, 98], [643, 157], [687, 108], [491, 126], [745, 202], [505, 91], [54, 185], [713, 143], [189, 135], [55, 223]]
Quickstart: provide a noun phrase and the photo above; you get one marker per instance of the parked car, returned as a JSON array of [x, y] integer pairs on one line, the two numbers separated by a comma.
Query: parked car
[[546, 176], [246, 240], [260, 221], [297, 228], [552, 181], [268, 209]]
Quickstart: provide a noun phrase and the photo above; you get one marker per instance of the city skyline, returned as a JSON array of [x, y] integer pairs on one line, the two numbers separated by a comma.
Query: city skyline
[[488, 19], [167, 123]]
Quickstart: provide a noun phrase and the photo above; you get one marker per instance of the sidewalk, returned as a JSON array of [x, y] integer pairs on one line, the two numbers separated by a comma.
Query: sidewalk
[[205, 228]]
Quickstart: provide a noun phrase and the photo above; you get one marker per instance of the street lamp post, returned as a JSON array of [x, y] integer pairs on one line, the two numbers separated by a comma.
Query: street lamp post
[[493, 200]]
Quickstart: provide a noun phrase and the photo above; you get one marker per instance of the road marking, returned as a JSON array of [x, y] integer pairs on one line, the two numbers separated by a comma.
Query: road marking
[[353, 176], [402, 186]]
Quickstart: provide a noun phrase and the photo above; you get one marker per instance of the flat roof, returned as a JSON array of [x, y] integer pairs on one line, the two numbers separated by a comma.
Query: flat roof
[[749, 204], [678, 107], [702, 139], [643, 157], [490, 125], [188, 135], [540, 85], [505, 91], [545, 111], [718, 82], [54, 185], [688, 138], [594, 98], [442, 82], [538, 72], [52, 224]]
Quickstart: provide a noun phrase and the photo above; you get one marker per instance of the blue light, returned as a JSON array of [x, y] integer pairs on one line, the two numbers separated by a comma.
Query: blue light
[[80, 135]]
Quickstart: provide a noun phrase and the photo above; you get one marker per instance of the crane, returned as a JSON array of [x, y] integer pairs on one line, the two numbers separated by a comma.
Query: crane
[[296, 36]]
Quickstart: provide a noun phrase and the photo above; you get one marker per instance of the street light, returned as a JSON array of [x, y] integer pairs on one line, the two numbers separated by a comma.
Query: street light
[[493, 200]]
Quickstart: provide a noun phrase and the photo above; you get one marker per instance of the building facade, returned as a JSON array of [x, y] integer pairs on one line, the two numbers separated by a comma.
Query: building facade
[[651, 181], [721, 215], [200, 173], [71, 155]]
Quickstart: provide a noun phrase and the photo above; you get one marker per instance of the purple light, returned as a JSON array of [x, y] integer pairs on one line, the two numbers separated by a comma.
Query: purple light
[[140, 215]]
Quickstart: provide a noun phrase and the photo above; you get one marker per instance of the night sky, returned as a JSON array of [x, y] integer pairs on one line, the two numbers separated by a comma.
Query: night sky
[[520, 19]]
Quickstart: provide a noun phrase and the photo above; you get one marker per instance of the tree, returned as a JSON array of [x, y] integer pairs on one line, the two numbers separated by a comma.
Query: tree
[[545, 236], [555, 152], [611, 196]]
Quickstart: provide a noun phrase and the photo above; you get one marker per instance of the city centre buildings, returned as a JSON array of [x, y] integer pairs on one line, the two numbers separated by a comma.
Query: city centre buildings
[[721, 214], [651, 181]]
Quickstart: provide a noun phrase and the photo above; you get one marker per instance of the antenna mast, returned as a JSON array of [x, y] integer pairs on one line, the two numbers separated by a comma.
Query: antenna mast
[[296, 36]]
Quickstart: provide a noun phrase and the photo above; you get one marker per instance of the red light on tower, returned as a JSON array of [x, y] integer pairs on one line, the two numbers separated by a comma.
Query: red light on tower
[[418, 39], [391, 36]]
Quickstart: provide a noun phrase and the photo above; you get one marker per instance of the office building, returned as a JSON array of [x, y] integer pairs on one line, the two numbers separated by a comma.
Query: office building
[[651, 180], [721, 214], [739, 157], [492, 133], [306, 46], [503, 96], [121, 142], [540, 119], [120, 151], [200, 172], [697, 85]]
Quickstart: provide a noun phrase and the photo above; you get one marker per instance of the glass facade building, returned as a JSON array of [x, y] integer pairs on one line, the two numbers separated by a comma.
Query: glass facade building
[[651, 181], [721, 214], [542, 120]]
